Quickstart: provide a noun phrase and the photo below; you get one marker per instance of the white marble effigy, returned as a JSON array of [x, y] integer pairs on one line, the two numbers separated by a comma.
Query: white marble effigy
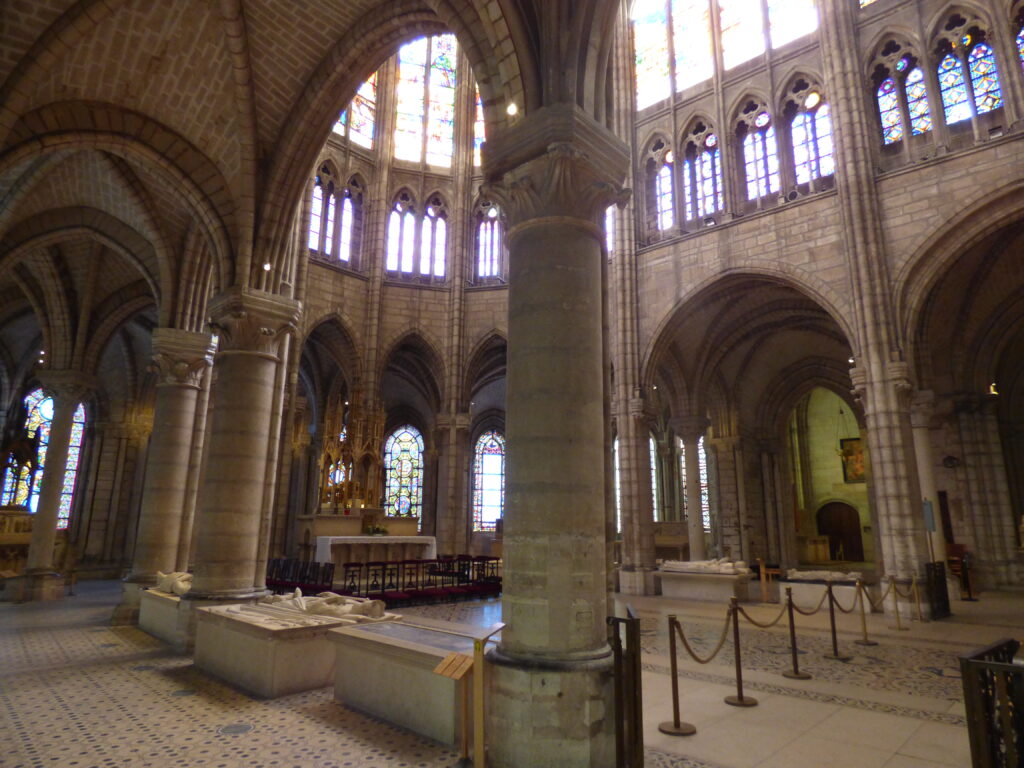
[[709, 587], [276, 648]]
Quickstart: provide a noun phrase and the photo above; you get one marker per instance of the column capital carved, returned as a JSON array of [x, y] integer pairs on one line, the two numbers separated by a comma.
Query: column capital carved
[[690, 427], [66, 386], [180, 357], [246, 320], [556, 162]]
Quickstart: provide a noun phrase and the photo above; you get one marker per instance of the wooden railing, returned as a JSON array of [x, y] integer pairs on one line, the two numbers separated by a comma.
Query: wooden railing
[[994, 701]]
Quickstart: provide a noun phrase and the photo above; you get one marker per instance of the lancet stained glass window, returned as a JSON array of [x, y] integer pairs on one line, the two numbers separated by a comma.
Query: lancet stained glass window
[[705, 497], [761, 158], [917, 102], [1020, 46], [742, 31], [316, 215], [653, 448], [953, 89], [434, 241], [663, 195], [889, 111], [988, 94], [691, 35], [401, 235], [403, 472], [650, 43], [618, 485], [364, 113], [425, 118], [812, 140], [478, 129], [22, 489], [789, 20], [488, 481], [609, 229], [702, 179], [488, 242]]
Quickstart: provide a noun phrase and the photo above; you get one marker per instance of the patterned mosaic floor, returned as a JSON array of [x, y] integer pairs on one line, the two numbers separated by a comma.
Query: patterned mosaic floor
[[78, 693]]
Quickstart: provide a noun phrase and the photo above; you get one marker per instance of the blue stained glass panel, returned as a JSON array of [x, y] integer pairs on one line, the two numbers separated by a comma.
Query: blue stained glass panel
[[889, 111], [953, 90], [985, 79], [761, 163], [823, 139], [664, 197], [403, 467], [1020, 46], [488, 481], [917, 102], [689, 182], [709, 182]]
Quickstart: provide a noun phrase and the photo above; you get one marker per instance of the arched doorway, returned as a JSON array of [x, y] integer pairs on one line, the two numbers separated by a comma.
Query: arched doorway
[[841, 523]]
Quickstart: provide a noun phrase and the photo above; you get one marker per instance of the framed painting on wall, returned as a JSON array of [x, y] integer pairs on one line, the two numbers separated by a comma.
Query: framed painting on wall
[[852, 453]]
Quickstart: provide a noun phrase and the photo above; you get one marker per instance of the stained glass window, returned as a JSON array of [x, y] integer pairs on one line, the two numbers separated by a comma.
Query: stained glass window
[[478, 129], [434, 240], [917, 102], [761, 158], [411, 97], [348, 214], [953, 89], [742, 31], [332, 206], [705, 498], [1020, 46], [789, 20], [22, 489], [364, 113], [650, 42], [618, 485], [812, 141], [984, 79], [341, 123], [866, 2], [488, 481], [653, 448], [425, 116], [316, 215], [663, 197], [691, 34], [702, 179], [403, 472], [889, 111], [609, 229], [488, 242], [401, 235]]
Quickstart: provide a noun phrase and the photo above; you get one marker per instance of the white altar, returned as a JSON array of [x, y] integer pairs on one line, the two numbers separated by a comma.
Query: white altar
[[352, 549]]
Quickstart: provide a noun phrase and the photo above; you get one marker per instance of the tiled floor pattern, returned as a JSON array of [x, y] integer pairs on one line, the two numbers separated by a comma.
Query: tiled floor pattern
[[77, 693]]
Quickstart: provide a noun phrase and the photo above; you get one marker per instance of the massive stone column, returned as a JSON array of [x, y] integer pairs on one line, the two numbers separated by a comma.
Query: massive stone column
[[551, 687], [40, 581], [250, 326], [180, 359], [454, 471], [690, 431]]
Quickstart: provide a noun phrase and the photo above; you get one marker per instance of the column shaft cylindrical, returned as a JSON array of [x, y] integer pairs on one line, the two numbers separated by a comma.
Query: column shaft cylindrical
[[231, 497], [163, 495], [694, 505], [44, 522]]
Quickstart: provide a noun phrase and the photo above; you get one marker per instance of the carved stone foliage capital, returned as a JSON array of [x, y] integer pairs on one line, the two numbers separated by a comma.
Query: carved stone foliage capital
[[563, 182], [690, 427], [176, 371], [67, 387], [245, 320]]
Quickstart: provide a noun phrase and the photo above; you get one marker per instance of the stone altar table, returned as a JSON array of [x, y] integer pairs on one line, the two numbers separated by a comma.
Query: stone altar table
[[350, 549]]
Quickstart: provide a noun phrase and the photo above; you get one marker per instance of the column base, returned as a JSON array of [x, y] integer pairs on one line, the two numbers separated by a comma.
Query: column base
[[639, 581], [550, 714], [31, 587]]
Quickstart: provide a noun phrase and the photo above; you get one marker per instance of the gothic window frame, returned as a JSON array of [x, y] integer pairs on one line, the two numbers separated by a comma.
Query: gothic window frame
[[490, 255], [898, 63], [702, 162], [809, 137], [660, 188], [26, 486], [403, 497], [494, 437], [429, 102], [955, 42], [754, 119], [417, 238], [368, 103], [333, 207]]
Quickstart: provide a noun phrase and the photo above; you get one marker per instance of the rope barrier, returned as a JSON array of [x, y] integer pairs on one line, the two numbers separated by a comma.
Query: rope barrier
[[721, 640], [881, 600], [896, 605], [852, 608], [676, 727], [817, 608], [835, 656], [795, 673], [739, 700], [769, 625]]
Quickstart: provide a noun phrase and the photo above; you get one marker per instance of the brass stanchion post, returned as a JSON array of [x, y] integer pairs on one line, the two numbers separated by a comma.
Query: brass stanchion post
[[917, 596], [832, 623], [861, 596], [896, 605], [739, 700], [794, 673], [764, 579], [676, 727]]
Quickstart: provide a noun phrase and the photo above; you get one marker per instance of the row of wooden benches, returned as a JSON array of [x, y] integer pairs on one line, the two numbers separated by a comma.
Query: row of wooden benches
[[396, 582]]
